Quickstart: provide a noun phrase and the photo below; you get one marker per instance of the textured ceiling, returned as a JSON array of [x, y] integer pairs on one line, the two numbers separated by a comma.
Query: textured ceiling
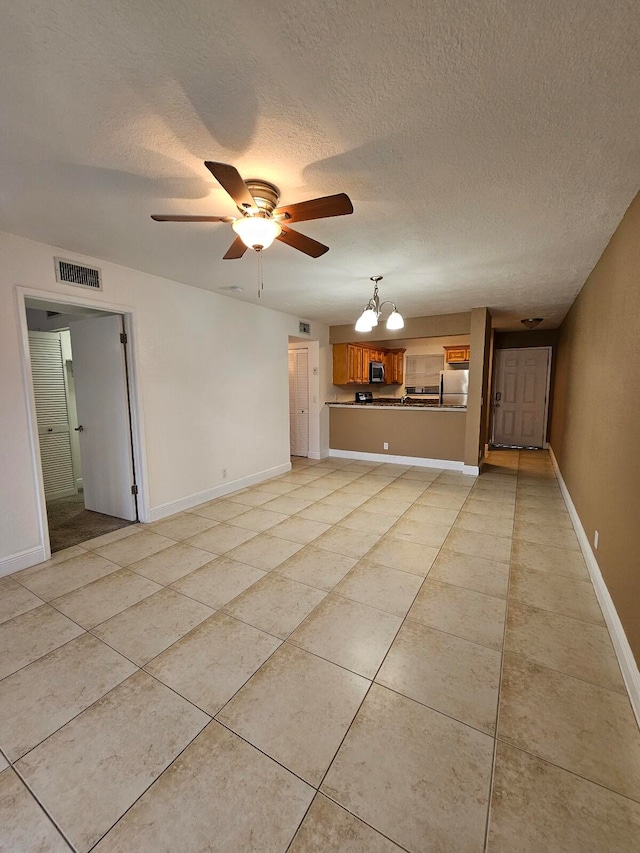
[[489, 148]]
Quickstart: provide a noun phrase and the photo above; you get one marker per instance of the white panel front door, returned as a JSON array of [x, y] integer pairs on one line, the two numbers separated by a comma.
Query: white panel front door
[[103, 412], [520, 397], [299, 401], [50, 392]]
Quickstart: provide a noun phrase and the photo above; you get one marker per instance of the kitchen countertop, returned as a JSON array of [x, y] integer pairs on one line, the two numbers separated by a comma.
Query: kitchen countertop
[[414, 405]]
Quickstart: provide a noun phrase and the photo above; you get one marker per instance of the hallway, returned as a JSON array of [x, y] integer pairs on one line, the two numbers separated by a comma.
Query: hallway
[[357, 657]]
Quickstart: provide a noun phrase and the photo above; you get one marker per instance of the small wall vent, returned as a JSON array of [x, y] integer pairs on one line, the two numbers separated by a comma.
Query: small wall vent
[[80, 275], [305, 328]]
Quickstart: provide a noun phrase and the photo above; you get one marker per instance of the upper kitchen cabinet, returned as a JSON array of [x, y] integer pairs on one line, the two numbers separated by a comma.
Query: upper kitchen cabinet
[[395, 367], [351, 364], [456, 355]]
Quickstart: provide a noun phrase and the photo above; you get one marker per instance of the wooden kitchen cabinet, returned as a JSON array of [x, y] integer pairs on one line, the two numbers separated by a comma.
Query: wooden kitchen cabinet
[[395, 367], [456, 355], [351, 364], [357, 365]]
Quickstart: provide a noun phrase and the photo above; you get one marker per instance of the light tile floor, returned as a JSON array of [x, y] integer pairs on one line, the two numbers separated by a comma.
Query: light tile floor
[[352, 657]]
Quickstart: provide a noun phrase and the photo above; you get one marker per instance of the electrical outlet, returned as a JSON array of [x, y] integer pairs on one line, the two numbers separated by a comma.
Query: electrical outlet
[[596, 538], [224, 473], [385, 446]]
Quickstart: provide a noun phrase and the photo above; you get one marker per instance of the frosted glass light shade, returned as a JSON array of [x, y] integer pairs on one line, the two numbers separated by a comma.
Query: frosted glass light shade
[[256, 232], [367, 320], [362, 323], [395, 321]]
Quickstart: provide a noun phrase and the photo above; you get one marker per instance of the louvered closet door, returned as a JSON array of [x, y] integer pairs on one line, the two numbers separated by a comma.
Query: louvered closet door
[[47, 368], [299, 402]]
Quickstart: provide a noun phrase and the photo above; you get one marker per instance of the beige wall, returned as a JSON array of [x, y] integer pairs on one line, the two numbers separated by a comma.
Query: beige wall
[[595, 430], [409, 432], [478, 398], [414, 327]]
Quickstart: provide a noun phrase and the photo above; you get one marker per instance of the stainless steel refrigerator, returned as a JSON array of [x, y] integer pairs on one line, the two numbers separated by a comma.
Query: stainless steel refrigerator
[[454, 387]]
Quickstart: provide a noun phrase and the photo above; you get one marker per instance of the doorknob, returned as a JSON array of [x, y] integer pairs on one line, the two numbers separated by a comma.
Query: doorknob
[[79, 428]]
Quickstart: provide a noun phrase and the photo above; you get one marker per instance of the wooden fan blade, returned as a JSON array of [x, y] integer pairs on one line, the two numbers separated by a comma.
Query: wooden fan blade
[[316, 208], [235, 250], [301, 242], [167, 217], [230, 180]]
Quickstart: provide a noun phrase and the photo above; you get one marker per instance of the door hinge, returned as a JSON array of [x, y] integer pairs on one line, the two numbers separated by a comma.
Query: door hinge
[[123, 338], [134, 489]]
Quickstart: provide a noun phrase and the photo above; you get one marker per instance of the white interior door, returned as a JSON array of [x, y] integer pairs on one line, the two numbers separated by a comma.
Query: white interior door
[[299, 401], [520, 396], [52, 413], [102, 400]]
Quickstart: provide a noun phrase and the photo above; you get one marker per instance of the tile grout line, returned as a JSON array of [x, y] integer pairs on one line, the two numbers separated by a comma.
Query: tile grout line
[[495, 737]]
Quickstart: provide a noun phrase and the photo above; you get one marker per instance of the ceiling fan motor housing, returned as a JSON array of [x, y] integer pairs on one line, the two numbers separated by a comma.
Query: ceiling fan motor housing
[[266, 195]]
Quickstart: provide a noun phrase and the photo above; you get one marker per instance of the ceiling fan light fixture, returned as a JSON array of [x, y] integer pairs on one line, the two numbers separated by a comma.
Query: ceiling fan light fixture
[[257, 232]]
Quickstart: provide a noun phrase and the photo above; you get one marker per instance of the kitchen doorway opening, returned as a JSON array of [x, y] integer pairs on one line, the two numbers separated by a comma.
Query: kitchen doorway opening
[[520, 398], [78, 367]]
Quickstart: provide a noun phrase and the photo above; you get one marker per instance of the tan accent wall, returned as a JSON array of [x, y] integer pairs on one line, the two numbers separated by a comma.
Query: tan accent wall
[[414, 327], [595, 430], [426, 434], [476, 426]]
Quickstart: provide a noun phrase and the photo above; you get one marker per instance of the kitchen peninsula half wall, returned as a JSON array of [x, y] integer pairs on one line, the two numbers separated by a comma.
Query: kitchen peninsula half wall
[[417, 435], [424, 435]]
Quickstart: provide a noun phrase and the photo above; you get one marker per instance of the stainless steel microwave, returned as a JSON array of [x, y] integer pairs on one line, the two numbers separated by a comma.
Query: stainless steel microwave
[[376, 371]]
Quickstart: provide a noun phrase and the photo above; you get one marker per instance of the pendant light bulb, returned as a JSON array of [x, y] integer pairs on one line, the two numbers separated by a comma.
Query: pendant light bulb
[[362, 323], [395, 321]]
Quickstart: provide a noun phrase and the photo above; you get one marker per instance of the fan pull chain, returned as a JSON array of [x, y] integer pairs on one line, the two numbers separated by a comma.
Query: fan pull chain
[[260, 275]]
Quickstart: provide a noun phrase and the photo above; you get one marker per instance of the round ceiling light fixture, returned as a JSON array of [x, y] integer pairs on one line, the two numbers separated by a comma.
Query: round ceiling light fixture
[[531, 322]]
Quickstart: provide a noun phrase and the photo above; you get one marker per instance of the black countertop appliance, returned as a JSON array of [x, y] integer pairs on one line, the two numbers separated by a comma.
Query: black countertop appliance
[[364, 396]]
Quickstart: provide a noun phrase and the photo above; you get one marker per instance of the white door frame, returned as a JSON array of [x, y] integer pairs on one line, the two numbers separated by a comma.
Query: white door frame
[[545, 443], [137, 426]]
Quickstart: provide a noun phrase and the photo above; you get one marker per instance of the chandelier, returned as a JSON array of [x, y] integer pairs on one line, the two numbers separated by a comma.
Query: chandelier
[[373, 311]]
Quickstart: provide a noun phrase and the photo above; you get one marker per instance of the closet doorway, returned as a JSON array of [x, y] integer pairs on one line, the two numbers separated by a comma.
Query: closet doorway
[[299, 401], [80, 379]]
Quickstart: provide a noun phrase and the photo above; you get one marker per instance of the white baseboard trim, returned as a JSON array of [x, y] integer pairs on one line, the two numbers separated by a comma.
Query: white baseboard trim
[[361, 456], [180, 505], [314, 454], [630, 672], [23, 560]]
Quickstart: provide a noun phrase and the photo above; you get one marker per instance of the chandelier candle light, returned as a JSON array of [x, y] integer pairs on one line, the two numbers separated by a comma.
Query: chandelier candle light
[[373, 311]]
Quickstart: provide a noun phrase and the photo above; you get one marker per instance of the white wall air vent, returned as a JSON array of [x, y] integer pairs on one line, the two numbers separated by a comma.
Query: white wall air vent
[[304, 328], [80, 275]]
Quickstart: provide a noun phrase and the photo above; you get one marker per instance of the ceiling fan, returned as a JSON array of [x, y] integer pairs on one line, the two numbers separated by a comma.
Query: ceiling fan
[[262, 221]]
